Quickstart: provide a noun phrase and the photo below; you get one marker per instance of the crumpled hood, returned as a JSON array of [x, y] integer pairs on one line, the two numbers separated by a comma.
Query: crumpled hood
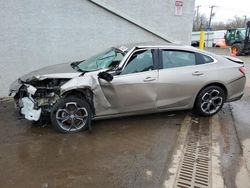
[[54, 71]]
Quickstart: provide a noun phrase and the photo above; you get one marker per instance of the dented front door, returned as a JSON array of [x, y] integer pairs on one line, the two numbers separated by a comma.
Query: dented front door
[[135, 88], [131, 93]]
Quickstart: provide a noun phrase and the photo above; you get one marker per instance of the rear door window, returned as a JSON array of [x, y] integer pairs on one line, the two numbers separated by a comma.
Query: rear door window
[[175, 58]]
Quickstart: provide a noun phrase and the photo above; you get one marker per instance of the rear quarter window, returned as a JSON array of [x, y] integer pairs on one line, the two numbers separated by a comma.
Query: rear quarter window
[[207, 59], [203, 59]]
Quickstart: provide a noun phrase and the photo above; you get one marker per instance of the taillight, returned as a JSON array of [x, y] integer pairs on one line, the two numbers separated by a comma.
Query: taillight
[[242, 70]]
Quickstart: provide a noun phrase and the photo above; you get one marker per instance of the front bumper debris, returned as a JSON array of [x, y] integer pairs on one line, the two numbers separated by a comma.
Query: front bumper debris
[[27, 109]]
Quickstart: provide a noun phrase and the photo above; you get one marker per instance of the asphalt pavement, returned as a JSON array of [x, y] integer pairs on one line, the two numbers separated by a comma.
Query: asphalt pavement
[[123, 152], [241, 116], [138, 151], [236, 139]]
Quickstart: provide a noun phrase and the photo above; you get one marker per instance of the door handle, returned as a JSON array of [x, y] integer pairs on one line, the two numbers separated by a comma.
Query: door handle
[[149, 79], [197, 73]]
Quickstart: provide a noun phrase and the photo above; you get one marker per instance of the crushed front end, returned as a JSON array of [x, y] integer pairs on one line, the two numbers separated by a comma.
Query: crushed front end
[[34, 99]]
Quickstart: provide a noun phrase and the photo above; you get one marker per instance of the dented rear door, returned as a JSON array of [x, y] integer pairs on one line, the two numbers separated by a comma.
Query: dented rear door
[[180, 79]]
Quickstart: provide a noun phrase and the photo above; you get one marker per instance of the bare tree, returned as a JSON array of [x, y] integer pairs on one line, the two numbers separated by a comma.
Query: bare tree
[[219, 26], [204, 22], [200, 22], [236, 22]]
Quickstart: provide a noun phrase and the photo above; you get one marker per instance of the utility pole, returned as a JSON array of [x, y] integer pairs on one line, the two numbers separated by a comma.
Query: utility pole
[[197, 16], [211, 15], [245, 20]]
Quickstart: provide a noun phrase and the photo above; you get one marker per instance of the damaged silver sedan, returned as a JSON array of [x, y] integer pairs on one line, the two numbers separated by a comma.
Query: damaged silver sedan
[[129, 80]]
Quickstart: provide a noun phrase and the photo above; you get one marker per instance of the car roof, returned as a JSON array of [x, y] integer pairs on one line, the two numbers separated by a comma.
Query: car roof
[[151, 45], [127, 47], [144, 45]]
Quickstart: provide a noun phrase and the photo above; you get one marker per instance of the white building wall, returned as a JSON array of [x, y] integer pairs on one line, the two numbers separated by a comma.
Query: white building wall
[[35, 34]]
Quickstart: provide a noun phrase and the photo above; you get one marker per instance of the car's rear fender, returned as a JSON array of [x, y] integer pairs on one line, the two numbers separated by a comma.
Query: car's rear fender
[[213, 83]]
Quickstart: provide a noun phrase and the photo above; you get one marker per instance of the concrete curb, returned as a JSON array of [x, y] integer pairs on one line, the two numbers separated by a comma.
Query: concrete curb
[[217, 180], [177, 154], [244, 168]]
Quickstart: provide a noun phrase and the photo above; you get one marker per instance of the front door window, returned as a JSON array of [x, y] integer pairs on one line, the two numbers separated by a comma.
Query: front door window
[[140, 61]]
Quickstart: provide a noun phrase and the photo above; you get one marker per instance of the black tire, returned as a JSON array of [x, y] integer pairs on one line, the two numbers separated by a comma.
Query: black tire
[[209, 101], [238, 48], [71, 114]]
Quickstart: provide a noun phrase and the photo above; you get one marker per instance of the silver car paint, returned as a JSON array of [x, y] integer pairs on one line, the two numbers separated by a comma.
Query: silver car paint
[[89, 81], [170, 89], [129, 94]]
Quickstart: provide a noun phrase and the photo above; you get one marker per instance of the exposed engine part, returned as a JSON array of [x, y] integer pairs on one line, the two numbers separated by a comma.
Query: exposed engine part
[[38, 97]]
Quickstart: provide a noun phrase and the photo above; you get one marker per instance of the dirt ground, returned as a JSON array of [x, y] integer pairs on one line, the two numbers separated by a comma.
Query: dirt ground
[[124, 152]]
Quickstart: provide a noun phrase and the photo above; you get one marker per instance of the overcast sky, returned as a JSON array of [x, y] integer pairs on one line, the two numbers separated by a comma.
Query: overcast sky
[[226, 9]]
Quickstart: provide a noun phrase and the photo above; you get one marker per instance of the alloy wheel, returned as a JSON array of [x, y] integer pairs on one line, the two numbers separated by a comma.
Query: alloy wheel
[[211, 101], [72, 117]]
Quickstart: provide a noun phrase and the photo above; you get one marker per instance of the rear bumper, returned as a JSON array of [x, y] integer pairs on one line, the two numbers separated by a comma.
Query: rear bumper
[[236, 89]]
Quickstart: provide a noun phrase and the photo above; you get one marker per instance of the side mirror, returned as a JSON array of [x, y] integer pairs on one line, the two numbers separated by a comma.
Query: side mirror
[[105, 76]]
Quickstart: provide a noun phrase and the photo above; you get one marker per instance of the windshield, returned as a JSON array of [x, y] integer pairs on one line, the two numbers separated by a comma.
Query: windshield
[[243, 33], [107, 59]]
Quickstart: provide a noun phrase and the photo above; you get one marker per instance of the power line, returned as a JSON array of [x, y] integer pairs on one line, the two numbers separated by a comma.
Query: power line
[[225, 8], [236, 10]]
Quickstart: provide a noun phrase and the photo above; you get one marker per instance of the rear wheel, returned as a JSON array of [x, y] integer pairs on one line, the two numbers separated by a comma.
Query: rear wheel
[[237, 48], [209, 101], [70, 114]]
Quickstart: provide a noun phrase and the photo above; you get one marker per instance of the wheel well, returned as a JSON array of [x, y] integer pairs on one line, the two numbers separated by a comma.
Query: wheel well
[[214, 84], [86, 93]]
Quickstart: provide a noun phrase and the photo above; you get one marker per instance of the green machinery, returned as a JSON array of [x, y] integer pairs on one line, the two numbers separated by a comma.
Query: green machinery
[[238, 39]]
